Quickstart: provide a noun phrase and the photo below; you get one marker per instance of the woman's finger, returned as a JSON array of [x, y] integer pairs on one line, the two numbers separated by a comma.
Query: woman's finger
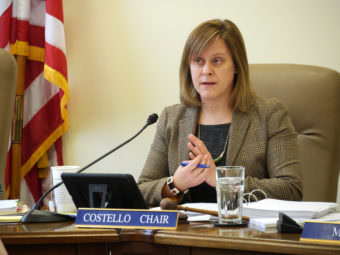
[[197, 143], [201, 171], [194, 149]]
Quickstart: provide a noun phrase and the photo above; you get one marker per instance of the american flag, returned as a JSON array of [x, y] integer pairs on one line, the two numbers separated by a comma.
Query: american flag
[[35, 29]]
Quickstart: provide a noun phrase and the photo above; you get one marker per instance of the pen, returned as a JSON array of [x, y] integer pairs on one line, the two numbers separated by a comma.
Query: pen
[[199, 165]]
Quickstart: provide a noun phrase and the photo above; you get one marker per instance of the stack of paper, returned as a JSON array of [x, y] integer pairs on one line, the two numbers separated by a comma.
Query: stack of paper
[[264, 214], [270, 208], [8, 206], [63, 200]]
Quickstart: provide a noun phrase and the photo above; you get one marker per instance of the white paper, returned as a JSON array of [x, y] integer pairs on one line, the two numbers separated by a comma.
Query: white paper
[[270, 208], [63, 200], [8, 205]]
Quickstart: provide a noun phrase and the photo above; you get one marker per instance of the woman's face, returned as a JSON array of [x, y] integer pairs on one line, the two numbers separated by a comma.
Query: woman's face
[[213, 71]]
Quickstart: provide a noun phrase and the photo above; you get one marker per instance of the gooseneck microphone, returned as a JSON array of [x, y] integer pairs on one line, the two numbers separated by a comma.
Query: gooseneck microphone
[[36, 215]]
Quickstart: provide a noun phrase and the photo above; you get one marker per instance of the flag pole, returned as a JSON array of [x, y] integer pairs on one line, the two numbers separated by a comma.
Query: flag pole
[[17, 130]]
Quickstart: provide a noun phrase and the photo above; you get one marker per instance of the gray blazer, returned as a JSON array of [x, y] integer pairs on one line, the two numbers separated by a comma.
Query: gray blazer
[[263, 140]]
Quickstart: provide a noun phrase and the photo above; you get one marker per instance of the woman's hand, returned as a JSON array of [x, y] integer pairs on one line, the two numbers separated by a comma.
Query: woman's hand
[[190, 175], [198, 149]]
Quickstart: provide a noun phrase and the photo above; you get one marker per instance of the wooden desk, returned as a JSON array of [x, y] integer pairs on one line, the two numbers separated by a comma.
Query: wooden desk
[[194, 238], [55, 238]]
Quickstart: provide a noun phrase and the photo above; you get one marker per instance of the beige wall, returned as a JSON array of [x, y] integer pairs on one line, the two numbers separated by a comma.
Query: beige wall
[[123, 59]]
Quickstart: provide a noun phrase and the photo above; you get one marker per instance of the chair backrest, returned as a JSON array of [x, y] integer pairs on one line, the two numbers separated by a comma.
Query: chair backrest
[[312, 95], [8, 78]]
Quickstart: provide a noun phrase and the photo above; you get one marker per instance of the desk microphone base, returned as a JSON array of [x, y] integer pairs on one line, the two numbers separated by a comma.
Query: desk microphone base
[[40, 216]]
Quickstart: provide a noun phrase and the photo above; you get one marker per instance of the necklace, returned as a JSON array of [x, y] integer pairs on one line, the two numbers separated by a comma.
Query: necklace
[[219, 158]]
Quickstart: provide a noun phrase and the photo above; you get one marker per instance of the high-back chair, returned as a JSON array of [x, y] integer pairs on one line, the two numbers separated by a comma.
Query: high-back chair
[[8, 78], [312, 95]]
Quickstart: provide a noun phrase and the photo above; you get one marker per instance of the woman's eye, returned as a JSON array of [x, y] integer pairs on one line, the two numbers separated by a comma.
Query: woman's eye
[[197, 61], [217, 60]]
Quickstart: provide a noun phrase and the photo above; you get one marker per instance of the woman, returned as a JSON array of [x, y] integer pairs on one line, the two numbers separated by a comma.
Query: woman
[[220, 121]]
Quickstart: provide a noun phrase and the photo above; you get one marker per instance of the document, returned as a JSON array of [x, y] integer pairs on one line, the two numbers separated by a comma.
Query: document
[[270, 208], [12, 210], [63, 200], [7, 206]]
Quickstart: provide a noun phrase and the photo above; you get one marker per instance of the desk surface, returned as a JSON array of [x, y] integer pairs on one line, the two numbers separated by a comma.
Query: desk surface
[[193, 238]]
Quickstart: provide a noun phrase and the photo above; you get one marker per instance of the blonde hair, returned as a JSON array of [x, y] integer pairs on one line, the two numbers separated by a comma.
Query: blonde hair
[[242, 94]]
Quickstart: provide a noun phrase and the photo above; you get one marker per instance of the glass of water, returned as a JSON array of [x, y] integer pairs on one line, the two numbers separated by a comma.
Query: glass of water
[[229, 189]]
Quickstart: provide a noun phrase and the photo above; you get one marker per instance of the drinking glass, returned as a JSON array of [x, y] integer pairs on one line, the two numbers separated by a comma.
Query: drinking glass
[[229, 189]]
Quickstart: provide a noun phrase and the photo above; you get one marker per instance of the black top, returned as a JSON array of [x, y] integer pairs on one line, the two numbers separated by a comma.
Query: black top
[[214, 137]]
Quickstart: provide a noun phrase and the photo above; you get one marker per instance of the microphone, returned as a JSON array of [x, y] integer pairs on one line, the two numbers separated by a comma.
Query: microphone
[[36, 215], [152, 119]]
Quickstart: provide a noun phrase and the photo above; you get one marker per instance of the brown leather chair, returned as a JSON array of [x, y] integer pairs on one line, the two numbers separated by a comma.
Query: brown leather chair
[[8, 78], [312, 95]]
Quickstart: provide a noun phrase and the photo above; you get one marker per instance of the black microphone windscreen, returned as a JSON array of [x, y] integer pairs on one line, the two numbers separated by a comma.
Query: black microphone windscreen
[[152, 119]]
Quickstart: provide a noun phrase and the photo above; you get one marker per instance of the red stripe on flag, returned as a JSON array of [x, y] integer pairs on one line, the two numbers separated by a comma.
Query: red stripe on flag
[[5, 24], [37, 36], [55, 8], [34, 182], [56, 59], [40, 127], [33, 70], [22, 30], [13, 35], [59, 149]]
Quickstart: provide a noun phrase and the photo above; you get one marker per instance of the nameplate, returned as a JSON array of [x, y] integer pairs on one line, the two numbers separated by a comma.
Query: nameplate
[[126, 218], [318, 231]]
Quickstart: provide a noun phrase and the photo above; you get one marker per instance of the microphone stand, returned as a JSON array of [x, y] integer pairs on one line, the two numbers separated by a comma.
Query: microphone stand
[[35, 215]]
